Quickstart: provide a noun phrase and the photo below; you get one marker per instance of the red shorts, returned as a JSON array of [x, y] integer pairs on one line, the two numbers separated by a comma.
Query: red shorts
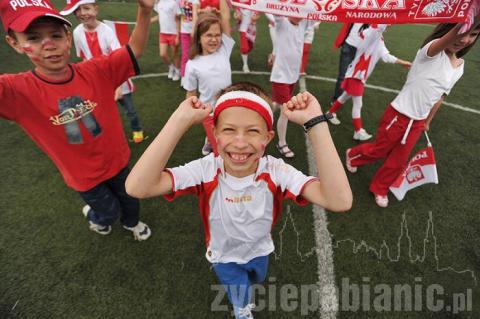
[[281, 92], [353, 87], [167, 38], [245, 45]]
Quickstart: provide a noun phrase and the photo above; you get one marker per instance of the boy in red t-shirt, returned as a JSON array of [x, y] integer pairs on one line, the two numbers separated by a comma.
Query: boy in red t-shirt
[[69, 109]]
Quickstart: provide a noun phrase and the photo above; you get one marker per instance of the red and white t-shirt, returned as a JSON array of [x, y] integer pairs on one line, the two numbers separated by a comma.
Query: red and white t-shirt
[[239, 213], [288, 49], [102, 41], [370, 49], [75, 122], [247, 25], [167, 11], [428, 79]]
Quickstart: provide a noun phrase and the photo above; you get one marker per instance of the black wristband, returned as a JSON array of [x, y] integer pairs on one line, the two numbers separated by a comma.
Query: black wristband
[[316, 120]]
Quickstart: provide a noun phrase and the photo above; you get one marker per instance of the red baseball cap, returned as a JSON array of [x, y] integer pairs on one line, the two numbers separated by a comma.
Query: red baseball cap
[[17, 15], [72, 5]]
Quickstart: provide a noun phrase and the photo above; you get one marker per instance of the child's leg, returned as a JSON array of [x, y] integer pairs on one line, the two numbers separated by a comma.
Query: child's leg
[[339, 102], [395, 162], [347, 55], [185, 40], [127, 103], [235, 280], [389, 134], [305, 54], [106, 202], [130, 206], [356, 112], [282, 93], [164, 53]]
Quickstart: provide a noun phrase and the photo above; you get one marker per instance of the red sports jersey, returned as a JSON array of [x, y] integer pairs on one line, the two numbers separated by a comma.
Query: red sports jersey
[[75, 122]]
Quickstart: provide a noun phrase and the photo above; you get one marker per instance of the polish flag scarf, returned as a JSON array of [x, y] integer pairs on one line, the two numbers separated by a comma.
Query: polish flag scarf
[[365, 11], [421, 169]]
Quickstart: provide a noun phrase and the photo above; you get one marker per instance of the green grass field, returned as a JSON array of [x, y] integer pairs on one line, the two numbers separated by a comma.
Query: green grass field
[[53, 266]]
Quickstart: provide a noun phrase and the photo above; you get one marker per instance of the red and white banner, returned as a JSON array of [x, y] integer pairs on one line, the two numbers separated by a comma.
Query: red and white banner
[[365, 11], [421, 169]]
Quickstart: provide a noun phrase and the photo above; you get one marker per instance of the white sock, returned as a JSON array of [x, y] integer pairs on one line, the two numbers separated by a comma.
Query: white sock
[[245, 59], [357, 107]]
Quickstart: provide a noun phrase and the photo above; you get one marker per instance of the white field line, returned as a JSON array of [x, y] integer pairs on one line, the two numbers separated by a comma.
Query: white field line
[[323, 242], [321, 78]]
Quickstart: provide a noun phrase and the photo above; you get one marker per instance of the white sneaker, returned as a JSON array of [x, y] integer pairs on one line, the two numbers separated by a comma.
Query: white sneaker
[[348, 164], [140, 232], [246, 69], [361, 135], [381, 201], [244, 313], [334, 120], [171, 69], [99, 229], [176, 74]]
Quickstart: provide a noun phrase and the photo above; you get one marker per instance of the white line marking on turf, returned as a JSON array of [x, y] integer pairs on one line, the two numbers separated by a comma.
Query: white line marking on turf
[[321, 78], [326, 274]]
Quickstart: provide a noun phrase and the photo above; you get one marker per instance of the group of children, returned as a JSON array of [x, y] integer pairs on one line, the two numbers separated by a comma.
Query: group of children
[[69, 110]]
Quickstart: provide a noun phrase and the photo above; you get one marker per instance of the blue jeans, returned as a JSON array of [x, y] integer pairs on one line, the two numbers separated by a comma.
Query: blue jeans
[[109, 199], [239, 278], [127, 103], [347, 54]]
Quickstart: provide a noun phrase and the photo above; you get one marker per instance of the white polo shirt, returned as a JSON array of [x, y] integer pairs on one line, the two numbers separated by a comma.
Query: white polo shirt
[[428, 79], [239, 213], [167, 11], [208, 74]]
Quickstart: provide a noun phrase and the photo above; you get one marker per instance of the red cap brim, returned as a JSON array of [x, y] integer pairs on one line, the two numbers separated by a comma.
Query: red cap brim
[[22, 22]]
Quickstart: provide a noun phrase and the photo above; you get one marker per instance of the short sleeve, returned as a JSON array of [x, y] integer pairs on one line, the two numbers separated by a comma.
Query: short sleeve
[[228, 44], [190, 178], [7, 98], [119, 66], [291, 181], [190, 80]]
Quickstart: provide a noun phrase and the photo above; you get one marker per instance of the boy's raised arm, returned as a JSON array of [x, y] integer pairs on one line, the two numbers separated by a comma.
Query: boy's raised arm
[[332, 191], [139, 37], [148, 178]]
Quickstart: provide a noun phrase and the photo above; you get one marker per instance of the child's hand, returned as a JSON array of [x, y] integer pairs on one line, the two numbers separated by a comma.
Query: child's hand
[[301, 108], [192, 111], [405, 64]]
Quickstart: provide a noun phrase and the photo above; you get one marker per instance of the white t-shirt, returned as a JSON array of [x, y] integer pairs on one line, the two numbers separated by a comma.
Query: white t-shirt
[[370, 49], [288, 49], [239, 213], [106, 40], [208, 74], [428, 79], [167, 11], [353, 37], [186, 12]]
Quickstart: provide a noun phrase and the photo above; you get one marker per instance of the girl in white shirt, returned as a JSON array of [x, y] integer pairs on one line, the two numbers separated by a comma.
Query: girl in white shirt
[[208, 70], [435, 70], [370, 49]]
